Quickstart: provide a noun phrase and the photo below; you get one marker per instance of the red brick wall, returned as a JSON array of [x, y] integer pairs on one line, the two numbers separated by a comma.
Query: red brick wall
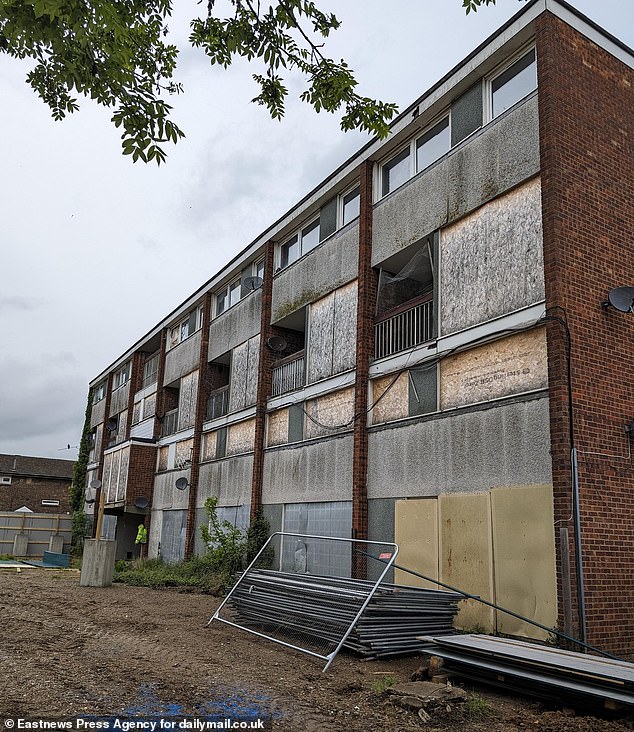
[[30, 492], [586, 140], [141, 473]]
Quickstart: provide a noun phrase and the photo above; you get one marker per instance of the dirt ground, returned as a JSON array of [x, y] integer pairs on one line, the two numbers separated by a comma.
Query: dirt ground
[[67, 650]]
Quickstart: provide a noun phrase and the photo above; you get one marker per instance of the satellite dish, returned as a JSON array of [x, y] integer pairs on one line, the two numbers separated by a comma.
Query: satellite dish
[[89, 501], [276, 343], [111, 425], [622, 298], [95, 483], [252, 283], [141, 502], [182, 484]]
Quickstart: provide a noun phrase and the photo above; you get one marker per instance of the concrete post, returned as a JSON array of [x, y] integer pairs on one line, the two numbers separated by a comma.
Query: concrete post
[[20, 545], [97, 565], [56, 544]]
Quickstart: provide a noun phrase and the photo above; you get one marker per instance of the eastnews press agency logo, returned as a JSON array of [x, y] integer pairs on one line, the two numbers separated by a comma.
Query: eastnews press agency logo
[[195, 724]]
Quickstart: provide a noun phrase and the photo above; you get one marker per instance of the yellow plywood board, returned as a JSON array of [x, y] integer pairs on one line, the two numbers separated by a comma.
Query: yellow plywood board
[[277, 429], [508, 366], [330, 414], [395, 403], [416, 533], [241, 437], [466, 560], [524, 557]]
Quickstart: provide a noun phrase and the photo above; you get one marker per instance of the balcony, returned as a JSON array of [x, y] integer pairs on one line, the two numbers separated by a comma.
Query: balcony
[[218, 403], [288, 374], [404, 328], [170, 423]]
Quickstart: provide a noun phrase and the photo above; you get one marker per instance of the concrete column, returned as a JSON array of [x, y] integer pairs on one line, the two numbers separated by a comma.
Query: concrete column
[[56, 544], [20, 545], [98, 563]]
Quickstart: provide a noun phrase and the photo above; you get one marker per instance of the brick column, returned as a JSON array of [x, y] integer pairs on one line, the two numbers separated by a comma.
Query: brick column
[[264, 381], [365, 340], [201, 409]]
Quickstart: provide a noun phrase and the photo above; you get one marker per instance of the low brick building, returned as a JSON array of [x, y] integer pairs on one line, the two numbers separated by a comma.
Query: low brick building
[[38, 484]]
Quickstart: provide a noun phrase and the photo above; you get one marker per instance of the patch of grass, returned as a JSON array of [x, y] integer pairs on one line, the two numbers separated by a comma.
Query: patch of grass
[[196, 573], [476, 707], [6, 557], [380, 685]]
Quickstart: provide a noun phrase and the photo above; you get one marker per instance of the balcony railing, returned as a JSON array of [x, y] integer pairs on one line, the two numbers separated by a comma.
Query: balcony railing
[[170, 423], [404, 329], [218, 403], [288, 374]]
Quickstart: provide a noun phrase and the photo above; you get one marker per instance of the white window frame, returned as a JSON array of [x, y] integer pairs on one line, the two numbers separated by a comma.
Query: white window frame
[[50, 502], [122, 376], [299, 234], [236, 286], [487, 86], [100, 393], [175, 333], [412, 158], [5, 480], [340, 207]]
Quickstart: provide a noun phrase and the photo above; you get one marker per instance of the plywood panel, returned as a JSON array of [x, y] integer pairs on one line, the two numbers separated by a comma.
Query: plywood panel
[[345, 328], [320, 340], [183, 453], [395, 404], [239, 367], [466, 560], [277, 432], [252, 370], [524, 557], [187, 400], [240, 437], [416, 533], [330, 414], [509, 366]]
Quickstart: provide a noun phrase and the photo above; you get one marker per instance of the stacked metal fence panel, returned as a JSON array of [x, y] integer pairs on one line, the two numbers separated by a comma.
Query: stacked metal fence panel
[[537, 670], [321, 608]]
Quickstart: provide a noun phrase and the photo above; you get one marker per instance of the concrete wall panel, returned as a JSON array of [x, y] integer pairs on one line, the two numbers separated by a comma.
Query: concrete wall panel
[[318, 471], [182, 359], [321, 271], [500, 157], [491, 262], [471, 451], [235, 326], [227, 480], [509, 366]]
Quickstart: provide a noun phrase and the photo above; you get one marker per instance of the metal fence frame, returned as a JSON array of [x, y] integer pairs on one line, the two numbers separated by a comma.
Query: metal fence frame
[[329, 658]]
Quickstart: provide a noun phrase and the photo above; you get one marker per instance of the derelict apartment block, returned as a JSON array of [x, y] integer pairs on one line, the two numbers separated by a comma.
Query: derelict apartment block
[[390, 359]]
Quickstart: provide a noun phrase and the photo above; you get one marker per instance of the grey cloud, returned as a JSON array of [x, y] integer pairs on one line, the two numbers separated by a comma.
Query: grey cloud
[[21, 303]]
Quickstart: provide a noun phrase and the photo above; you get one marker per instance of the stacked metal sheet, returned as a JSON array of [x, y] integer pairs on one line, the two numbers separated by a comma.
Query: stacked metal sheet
[[538, 670], [320, 609]]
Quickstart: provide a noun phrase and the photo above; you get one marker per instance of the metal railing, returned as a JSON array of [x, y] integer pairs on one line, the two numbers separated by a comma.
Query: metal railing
[[404, 330], [170, 423], [218, 403], [288, 374]]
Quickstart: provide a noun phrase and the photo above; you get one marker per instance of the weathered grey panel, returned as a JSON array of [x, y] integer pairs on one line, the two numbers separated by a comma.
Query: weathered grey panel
[[501, 446], [251, 390], [466, 114], [237, 325], [318, 273], [492, 261], [322, 315], [244, 371], [182, 359], [273, 513], [166, 494], [187, 400], [332, 335], [98, 413], [504, 154], [318, 471], [174, 525], [380, 528], [119, 399], [228, 480], [154, 535]]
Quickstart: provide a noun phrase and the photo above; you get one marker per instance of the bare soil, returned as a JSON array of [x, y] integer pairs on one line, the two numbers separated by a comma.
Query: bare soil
[[67, 650]]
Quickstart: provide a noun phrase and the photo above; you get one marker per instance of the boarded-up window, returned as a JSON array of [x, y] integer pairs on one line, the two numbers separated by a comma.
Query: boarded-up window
[[330, 414], [333, 329], [244, 374], [163, 457], [187, 400], [408, 394], [240, 438]]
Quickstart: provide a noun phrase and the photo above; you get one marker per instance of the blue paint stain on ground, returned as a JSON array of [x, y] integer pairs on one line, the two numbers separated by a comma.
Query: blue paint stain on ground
[[233, 705]]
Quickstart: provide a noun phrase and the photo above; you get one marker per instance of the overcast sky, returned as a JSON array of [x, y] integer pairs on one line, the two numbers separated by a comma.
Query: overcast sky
[[95, 250]]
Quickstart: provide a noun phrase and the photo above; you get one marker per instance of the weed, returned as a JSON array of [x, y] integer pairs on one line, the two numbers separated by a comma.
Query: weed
[[6, 557], [476, 707], [380, 685]]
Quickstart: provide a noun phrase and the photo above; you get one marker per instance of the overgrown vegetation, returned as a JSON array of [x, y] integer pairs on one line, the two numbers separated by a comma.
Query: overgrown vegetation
[[77, 492], [229, 551], [381, 685], [477, 707]]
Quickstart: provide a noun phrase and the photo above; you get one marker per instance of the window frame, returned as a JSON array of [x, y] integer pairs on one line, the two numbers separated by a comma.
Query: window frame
[[489, 80], [99, 391], [341, 222], [312, 224], [235, 285], [175, 332], [412, 146]]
